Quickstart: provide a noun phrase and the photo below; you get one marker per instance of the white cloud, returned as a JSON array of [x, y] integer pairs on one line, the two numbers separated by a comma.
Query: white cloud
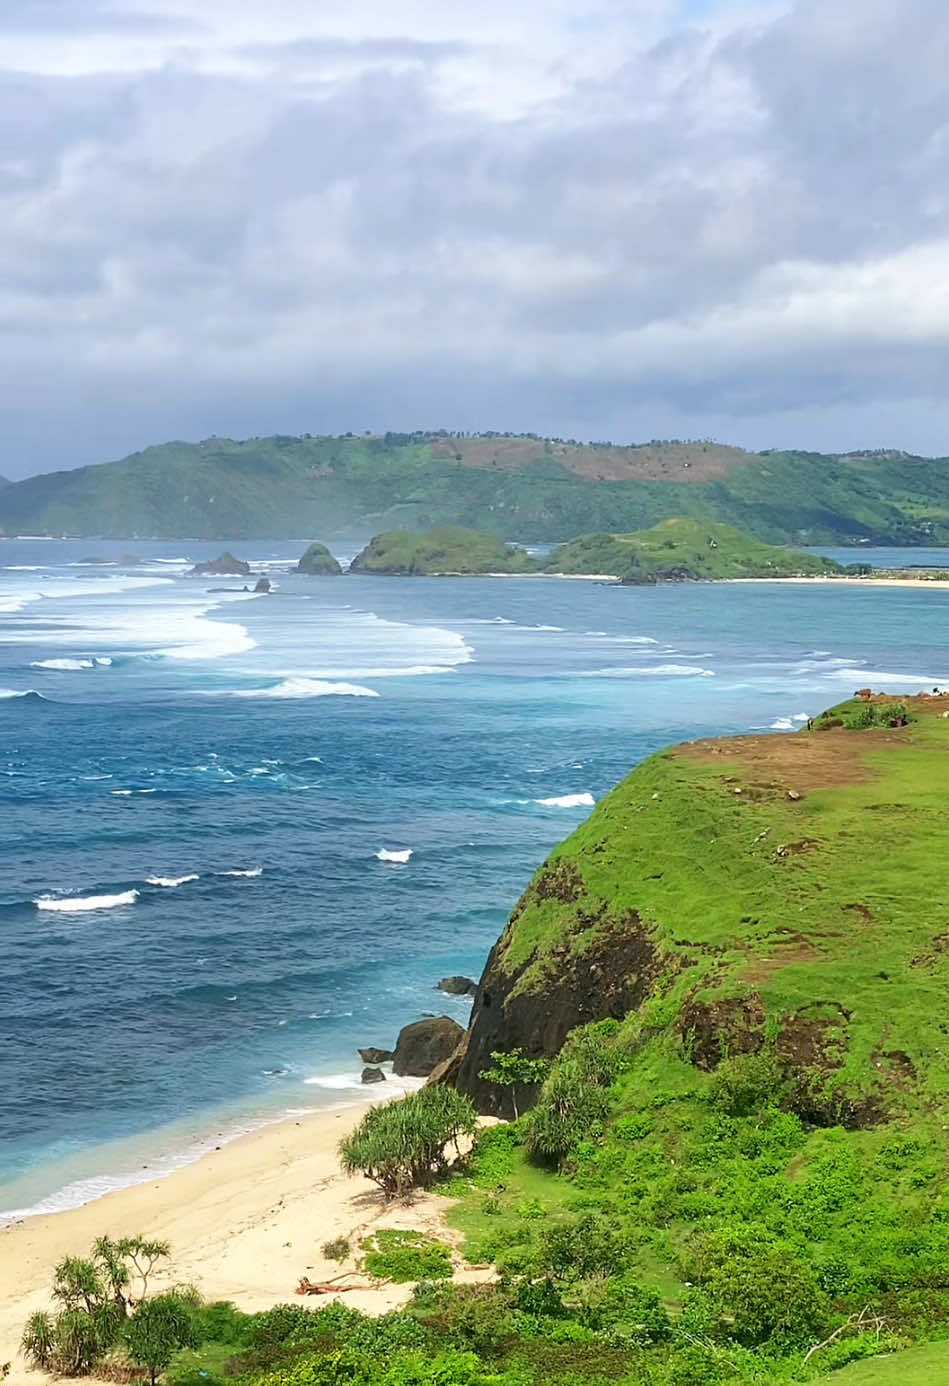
[[616, 219]]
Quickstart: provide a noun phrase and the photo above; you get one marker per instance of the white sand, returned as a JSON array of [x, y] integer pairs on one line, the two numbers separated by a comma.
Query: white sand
[[245, 1223]]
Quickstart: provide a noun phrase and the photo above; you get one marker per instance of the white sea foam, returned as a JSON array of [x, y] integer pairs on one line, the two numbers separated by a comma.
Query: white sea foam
[[388, 854], [62, 664], [82, 904], [345, 1082], [170, 882], [122, 793], [19, 693], [656, 671], [251, 871], [881, 678], [782, 724], [801, 717], [303, 688], [568, 801]]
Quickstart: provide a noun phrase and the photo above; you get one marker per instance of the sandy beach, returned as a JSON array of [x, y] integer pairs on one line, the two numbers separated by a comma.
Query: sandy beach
[[830, 581], [244, 1223]]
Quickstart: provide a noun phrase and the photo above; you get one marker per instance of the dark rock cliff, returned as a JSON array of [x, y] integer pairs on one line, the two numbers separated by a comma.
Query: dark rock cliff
[[535, 1009]]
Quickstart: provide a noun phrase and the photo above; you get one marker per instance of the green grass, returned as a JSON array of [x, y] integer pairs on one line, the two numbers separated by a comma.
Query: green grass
[[919, 1366], [681, 549]]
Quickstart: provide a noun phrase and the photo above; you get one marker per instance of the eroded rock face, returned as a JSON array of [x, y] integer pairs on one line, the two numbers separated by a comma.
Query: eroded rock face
[[262, 585], [425, 1044], [610, 977], [373, 1075]]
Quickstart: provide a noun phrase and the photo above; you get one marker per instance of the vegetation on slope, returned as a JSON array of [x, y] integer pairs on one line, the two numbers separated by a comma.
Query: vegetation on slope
[[735, 1168], [681, 549], [444, 550], [514, 487], [319, 562]]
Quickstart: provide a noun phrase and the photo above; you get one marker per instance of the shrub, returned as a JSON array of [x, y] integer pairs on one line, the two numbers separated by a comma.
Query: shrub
[[512, 1069], [747, 1084], [401, 1145], [391, 1254], [337, 1249], [574, 1101], [157, 1330], [586, 1246]]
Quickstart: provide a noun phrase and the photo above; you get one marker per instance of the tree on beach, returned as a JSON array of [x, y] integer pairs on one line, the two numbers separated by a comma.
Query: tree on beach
[[401, 1145], [96, 1295]]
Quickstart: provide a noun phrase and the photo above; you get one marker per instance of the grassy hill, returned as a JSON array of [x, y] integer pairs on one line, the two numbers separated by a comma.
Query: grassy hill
[[679, 550], [755, 934], [447, 549], [520, 487]]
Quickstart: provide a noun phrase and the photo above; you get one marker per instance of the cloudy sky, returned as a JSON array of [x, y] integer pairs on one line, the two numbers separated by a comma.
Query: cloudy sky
[[596, 218]]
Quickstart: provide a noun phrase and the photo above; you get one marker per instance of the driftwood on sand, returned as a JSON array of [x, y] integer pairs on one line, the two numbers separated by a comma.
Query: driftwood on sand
[[333, 1287]]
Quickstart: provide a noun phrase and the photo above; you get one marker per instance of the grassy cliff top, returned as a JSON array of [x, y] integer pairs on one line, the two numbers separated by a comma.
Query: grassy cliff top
[[754, 935], [683, 549], [784, 879], [447, 549]]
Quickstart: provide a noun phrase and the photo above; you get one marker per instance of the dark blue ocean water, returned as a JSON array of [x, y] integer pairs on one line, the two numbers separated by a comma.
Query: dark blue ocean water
[[154, 731]]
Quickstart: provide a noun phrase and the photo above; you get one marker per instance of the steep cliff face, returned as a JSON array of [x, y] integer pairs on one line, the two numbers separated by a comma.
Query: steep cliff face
[[773, 890]]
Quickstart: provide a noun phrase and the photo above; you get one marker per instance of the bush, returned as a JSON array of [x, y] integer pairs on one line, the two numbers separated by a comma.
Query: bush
[[159, 1328], [747, 1084], [574, 1101], [586, 1246], [401, 1145], [391, 1254], [337, 1249]]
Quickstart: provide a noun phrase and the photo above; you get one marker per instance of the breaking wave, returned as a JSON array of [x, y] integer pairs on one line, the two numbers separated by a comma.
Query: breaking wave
[[657, 671], [568, 801], [169, 882], [387, 854], [82, 904], [251, 871], [304, 688]]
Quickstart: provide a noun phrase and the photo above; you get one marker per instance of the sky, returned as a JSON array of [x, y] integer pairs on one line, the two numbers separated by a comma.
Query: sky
[[600, 219]]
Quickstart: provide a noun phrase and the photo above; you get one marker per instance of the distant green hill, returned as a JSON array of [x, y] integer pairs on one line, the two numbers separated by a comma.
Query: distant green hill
[[681, 550], [444, 550], [515, 487]]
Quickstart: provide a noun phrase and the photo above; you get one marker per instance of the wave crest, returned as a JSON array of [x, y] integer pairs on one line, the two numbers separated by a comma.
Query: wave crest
[[568, 801], [389, 854], [170, 882], [82, 904], [304, 688]]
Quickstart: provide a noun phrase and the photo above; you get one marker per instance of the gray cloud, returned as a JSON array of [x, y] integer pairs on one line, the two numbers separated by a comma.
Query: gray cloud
[[86, 17], [739, 231]]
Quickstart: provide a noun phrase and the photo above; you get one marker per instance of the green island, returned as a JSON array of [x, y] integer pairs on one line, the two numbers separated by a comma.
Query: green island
[[715, 1030], [684, 550], [517, 487], [675, 550], [319, 562], [447, 550]]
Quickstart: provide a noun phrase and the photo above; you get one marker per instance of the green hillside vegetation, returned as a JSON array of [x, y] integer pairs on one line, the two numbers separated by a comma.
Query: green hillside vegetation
[[319, 562], [441, 551], [515, 487], [734, 1170], [679, 550]]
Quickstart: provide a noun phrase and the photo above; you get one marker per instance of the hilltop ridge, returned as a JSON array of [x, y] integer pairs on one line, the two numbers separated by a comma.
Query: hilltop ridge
[[512, 486]]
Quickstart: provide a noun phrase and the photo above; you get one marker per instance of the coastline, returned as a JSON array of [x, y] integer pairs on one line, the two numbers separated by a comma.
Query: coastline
[[831, 581], [245, 1222]]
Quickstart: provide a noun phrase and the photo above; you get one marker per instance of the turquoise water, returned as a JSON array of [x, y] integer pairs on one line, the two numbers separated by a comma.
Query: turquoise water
[[197, 930]]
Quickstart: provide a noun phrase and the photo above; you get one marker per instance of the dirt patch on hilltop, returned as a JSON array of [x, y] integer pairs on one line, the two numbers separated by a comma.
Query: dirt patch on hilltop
[[795, 763], [682, 462]]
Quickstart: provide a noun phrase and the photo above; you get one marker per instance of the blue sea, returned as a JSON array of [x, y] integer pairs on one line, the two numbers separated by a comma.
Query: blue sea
[[207, 900]]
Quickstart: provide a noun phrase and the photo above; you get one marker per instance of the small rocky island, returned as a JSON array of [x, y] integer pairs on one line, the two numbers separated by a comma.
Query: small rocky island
[[318, 562], [225, 565]]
